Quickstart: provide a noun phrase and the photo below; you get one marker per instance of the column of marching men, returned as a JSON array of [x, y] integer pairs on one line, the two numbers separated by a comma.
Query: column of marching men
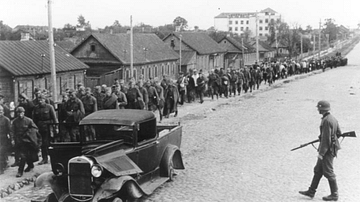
[[34, 123]]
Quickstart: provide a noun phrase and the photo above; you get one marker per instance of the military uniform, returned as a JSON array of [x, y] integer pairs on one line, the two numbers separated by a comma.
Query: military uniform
[[5, 142], [90, 104], [327, 150], [44, 116], [134, 96], [28, 140], [74, 113]]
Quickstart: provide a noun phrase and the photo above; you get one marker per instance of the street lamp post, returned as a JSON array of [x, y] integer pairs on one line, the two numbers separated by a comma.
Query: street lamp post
[[180, 37]]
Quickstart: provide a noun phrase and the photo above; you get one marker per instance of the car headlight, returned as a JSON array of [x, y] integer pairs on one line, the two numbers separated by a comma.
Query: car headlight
[[96, 170], [59, 169]]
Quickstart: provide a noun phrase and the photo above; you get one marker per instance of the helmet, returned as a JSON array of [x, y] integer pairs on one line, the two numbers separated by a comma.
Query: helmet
[[323, 105], [20, 109]]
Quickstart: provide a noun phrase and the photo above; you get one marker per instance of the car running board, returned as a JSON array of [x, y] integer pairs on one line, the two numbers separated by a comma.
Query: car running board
[[150, 186]]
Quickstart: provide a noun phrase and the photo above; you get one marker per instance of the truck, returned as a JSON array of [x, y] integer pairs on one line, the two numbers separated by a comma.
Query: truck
[[119, 155]]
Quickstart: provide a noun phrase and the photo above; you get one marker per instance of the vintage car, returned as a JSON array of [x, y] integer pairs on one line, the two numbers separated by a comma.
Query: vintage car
[[121, 154]]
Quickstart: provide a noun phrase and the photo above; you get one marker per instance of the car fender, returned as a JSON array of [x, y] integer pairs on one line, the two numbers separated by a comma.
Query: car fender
[[112, 186], [172, 152], [50, 179]]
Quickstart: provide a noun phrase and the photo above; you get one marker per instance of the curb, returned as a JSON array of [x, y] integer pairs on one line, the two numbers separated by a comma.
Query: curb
[[4, 192]]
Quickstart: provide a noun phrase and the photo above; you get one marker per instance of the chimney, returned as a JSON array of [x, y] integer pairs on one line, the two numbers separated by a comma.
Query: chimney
[[128, 31]]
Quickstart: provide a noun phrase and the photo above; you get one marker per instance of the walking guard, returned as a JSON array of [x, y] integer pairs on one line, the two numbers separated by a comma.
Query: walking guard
[[328, 147]]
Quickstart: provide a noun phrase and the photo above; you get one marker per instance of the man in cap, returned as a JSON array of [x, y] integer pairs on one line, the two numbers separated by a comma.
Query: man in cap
[[5, 143], [27, 139], [75, 112], [44, 117], [328, 147], [89, 102], [27, 104], [99, 96]]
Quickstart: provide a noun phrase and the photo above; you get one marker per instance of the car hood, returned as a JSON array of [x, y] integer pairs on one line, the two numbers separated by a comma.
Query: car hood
[[118, 163]]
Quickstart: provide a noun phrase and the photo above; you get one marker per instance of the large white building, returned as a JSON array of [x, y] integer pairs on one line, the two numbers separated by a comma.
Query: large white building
[[240, 22]]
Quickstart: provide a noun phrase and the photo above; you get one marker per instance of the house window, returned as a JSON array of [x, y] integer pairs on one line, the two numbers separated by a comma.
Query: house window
[[266, 28], [230, 29], [247, 28], [260, 21], [149, 72], [242, 22], [230, 22], [236, 29], [236, 22], [260, 34], [156, 71], [242, 28], [92, 48], [135, 74], [247, 22], [143, 71], [266, 20], [260, 28]]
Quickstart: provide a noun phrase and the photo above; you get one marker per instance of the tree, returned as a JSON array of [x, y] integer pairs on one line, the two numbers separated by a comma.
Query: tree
[[163, 31], [181, 23], [331, 30]]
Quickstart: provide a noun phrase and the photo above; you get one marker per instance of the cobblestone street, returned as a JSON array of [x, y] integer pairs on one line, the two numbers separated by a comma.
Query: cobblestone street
[[238, 149]]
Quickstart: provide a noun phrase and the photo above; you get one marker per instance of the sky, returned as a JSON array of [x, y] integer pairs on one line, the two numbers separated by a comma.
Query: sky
[[201, 13]]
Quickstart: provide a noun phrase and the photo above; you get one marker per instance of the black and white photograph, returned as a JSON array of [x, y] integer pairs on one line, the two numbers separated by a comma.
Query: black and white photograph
[[179, 101]]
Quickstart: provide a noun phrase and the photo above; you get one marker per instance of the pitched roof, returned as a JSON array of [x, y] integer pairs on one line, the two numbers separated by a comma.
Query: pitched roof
[[263, 46], [147, 47], [24, 58], [243, 14], [186, 57], [200, 42], [236, 45], [268, 10]]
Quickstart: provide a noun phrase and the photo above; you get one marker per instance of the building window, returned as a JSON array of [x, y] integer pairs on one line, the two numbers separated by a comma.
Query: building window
[[260, 21], [242, 28], [266, 28], [236, 29], [266, 20], [247, 28], [230, 29], [236, 22], [247, 22], [260, 34], [260, 28], [92, 48], [230, 22], [242, 22]]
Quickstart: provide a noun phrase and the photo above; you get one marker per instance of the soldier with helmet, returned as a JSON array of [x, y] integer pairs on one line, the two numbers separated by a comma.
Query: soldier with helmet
[[44, 117], [27, 139], [328, 147]]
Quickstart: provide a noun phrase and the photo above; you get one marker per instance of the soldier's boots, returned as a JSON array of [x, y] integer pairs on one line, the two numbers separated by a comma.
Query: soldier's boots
[[334, 196], [310, 193], [312, 189]]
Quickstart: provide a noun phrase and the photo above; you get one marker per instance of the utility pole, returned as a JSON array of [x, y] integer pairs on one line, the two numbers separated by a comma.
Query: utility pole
[[242, 47], [52, 53], [257, 37], [314, 43], [319, 38], [301, 44], [180, 36], [131, 50]]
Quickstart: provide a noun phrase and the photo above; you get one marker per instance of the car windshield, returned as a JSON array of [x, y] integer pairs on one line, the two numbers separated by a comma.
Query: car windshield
[[98, 132], [107, 132]]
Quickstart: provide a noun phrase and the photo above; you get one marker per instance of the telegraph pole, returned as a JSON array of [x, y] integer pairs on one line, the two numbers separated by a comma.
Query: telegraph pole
[[52, 53], [242, 47], [319, 38], [257, 37], [301, 44], [180, 53], [131, 49]]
